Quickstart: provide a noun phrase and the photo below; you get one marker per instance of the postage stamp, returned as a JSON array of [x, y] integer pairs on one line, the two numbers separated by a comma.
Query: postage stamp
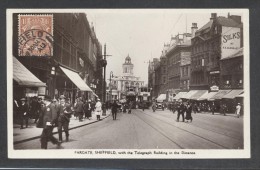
[[35, 36]]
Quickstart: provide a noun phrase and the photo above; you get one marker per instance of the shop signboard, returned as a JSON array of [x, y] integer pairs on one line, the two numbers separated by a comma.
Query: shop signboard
[[214, 88], [230, 41], [41, 91]]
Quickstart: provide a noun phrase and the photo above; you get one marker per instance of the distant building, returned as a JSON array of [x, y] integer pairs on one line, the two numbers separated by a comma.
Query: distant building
[[127, 83]]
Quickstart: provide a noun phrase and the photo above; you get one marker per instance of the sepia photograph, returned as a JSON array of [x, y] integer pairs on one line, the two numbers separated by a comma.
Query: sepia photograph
[[128, 83]]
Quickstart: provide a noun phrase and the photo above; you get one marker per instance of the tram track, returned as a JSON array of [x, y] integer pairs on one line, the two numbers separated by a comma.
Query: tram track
[[199, 136], [224, 134]]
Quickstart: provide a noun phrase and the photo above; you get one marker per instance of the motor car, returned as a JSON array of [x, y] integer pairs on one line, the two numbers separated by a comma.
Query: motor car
[[159, 106]]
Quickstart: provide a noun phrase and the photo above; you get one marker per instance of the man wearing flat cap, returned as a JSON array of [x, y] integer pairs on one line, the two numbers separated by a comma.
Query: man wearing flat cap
[[64, 111], [23, 113]]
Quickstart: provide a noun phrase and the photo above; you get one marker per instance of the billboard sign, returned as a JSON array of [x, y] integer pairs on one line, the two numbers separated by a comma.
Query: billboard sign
[[230, 41]]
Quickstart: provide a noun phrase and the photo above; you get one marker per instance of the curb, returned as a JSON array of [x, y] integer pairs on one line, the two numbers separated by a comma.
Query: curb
[[75, 127]]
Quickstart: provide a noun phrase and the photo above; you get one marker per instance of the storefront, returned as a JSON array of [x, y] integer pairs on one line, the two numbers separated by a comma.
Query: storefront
[[25, 84]]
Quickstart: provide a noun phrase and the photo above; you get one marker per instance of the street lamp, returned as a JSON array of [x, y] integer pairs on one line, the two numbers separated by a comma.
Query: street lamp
[[110, 85], [53, 73]]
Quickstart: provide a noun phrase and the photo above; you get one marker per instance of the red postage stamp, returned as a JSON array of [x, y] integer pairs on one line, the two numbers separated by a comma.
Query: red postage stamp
[[35, 35]]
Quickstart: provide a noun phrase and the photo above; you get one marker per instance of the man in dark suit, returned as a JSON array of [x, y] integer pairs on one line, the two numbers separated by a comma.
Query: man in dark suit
[[87, 109], [181, 109], [114, 108], [79, 109], [23, 113], [50, 118], [64, 111]]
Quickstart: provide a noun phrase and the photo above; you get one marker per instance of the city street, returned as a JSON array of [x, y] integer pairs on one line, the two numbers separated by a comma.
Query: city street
[[154, 130]]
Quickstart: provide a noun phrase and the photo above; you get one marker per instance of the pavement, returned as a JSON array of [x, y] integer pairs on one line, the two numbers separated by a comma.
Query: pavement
[[32, 132], [154, 130]]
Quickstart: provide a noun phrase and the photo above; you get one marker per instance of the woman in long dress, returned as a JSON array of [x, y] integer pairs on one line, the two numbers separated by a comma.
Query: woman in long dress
[[188, 112]]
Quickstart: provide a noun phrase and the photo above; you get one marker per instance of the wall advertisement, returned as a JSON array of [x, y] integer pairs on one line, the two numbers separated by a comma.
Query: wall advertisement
[[230, 41]]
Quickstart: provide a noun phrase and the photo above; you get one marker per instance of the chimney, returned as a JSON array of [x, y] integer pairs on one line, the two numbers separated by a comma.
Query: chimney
[[194, 28], [213, 16], [235, 18]]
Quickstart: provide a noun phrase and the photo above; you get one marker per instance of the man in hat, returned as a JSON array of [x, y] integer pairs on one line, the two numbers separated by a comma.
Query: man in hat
[[50, 118], [238, 109], [98, 109], [23, 113], [79, 109], [181, 109], [87, 109], [64, 111]]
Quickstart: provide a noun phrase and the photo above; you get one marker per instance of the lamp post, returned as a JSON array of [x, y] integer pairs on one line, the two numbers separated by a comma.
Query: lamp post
[[110, 85], [53, 73]]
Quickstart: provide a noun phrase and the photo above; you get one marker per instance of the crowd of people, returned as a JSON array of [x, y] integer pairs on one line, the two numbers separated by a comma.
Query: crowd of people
[[50, 113], [188, 107]]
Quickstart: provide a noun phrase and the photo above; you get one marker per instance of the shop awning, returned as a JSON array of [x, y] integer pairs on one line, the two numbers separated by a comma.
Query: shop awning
[[95, 94], [233, 94], [76, 79], [198, 94], [179, 95], [207, 96], [161, 98], [220, 94], [24, 77], [189, 94]]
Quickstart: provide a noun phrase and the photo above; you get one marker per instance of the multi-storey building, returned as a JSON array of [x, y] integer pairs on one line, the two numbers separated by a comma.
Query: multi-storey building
[[76, 50], [151, 76], [215, 40]]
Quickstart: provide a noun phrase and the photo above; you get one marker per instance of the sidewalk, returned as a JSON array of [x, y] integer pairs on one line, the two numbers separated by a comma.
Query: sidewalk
[[32, 132]]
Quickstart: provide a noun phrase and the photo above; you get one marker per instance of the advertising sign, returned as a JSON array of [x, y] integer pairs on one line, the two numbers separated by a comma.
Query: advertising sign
[[214, 88], [230, 41]]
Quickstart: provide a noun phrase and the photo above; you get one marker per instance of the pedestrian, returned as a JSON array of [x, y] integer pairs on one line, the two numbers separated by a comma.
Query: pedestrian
[[79, 109], [39, 102], [188, 112], [49, 121], [33, 108], [98, 109], [238, 110], [130, 107], [64, 111], [154, 105], [23, 113], [87, 109], [114, 108], [124, 108], [181, 109], [143, 105], [213, 108]]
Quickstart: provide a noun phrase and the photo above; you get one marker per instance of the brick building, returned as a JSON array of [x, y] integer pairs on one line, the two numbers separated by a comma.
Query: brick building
[[76, 51], [208, 47]]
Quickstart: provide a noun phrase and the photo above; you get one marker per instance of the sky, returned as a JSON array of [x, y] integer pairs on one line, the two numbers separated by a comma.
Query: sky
[[141, 33]]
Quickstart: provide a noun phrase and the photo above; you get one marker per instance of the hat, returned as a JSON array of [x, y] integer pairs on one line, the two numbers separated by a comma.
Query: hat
[[89, 100], [22, 99], [62, 97], [54, 100], [98, 99], [238, 103]]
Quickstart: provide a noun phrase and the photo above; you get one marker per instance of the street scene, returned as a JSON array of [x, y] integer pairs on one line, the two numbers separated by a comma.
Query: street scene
[[128, 80]]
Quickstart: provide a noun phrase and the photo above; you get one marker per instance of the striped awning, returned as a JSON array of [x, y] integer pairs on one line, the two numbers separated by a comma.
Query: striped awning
[[189, 94], [233, 93], [220, 94], [179, 95], [207, 96], [198, 94]]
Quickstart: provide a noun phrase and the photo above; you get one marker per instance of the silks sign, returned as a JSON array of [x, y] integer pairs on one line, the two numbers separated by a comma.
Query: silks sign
[[230, 41]]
